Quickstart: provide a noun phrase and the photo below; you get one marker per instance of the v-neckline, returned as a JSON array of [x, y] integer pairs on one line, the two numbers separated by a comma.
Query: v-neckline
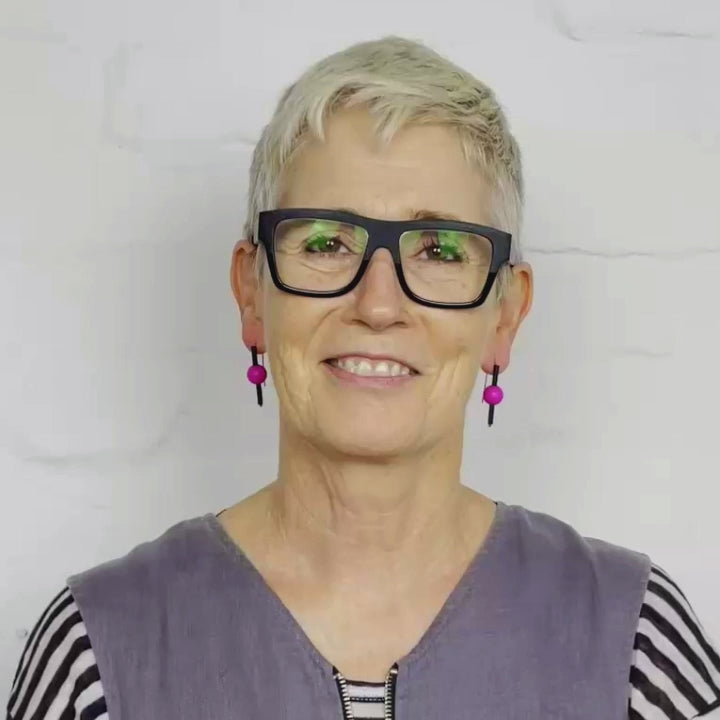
[[476, 567]]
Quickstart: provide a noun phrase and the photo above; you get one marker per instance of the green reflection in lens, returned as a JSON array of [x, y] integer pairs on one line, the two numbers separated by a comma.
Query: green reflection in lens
[[323, 230], [450, 242]]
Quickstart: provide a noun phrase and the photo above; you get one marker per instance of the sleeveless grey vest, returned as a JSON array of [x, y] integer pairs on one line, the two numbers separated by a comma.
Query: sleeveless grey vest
[[540, 626]]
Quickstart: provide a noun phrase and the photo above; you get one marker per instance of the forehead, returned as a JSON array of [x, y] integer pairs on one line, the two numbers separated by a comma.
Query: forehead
[[423, 166]]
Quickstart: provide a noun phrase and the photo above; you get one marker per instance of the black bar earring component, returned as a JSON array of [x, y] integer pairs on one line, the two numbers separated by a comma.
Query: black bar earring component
[[257, 374], [491, 410], [492, 394], [258, 387]]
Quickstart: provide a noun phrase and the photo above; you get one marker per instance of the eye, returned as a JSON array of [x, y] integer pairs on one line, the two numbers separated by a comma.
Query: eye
[[328, 237], [323, 243], [442, 246]]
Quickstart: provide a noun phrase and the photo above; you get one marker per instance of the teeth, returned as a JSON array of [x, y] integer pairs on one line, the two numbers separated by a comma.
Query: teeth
[[363, 366]]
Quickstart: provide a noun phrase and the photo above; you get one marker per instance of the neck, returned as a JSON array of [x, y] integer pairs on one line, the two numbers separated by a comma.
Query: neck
[[352, 517]]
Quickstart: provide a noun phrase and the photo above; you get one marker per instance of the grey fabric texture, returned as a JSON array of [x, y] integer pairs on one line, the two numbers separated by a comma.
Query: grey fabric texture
[[541, 625]]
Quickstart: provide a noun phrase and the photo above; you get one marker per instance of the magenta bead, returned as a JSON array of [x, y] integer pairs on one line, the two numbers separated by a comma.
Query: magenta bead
[[256, 374], [492, 395]]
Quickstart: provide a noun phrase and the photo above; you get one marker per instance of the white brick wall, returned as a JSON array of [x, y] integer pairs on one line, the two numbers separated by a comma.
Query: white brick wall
[[126, 131]]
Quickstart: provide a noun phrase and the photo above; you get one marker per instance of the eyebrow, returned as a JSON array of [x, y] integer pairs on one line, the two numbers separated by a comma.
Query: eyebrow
[[416, 214]]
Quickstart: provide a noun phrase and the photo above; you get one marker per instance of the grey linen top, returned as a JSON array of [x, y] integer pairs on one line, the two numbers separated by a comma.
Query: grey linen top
[[543, 624]]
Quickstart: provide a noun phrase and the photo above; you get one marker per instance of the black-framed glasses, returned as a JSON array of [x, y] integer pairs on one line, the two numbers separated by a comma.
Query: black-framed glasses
[[439, 263]]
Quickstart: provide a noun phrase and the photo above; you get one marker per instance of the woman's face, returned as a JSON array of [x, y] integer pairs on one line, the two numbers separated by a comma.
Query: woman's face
[[423, 168]]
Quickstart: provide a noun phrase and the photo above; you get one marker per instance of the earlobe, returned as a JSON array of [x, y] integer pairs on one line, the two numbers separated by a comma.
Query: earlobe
[[252, 332], [500, 357]]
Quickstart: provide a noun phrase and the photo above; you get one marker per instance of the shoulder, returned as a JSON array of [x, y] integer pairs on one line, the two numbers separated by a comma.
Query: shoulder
[[556, 546], [675, 670], [151, 569], [585, 592], [57, 675]]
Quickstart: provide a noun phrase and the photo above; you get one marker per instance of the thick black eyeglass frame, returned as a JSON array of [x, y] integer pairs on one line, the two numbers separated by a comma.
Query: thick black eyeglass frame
[[382, 234]]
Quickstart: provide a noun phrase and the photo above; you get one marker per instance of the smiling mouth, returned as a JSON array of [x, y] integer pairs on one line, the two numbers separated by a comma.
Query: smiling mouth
[[364, 367]]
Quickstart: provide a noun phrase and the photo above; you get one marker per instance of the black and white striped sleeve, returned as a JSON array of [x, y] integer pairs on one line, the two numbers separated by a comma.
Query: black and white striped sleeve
[[675, 673], [57, 677]]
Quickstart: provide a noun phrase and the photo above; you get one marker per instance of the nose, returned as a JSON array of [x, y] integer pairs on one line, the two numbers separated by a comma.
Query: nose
[[379, 296]]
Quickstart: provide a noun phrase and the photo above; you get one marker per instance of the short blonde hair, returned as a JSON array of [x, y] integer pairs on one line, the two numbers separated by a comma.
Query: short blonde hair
[[400, 81]]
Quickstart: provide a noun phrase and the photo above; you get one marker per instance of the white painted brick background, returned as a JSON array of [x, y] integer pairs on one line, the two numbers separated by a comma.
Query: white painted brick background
[[125, 136]]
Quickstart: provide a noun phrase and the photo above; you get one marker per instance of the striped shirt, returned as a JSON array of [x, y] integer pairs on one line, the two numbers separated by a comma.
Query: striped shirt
[[674, 673]]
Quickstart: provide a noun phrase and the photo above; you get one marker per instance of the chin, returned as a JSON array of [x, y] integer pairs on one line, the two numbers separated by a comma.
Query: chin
[[362, 449], [369, 440]]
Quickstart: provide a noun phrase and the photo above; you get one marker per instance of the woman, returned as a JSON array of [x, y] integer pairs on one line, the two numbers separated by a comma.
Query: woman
[[381, 272]]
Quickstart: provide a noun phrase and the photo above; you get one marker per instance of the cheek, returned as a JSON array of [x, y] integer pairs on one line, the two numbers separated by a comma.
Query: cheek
[[291, 377], [464, 337], [282, 318], [461, 347], [289, 330], [286, 360]]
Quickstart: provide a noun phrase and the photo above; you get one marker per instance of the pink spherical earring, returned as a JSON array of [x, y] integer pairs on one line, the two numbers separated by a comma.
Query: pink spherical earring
[[257, 374], [492, 394]]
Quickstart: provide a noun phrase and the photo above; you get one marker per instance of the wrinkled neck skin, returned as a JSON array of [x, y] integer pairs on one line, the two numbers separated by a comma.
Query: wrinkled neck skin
[[359, 521]]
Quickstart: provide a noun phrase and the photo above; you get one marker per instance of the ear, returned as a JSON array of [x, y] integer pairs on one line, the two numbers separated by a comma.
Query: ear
[[247, 292], [512, 309]]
